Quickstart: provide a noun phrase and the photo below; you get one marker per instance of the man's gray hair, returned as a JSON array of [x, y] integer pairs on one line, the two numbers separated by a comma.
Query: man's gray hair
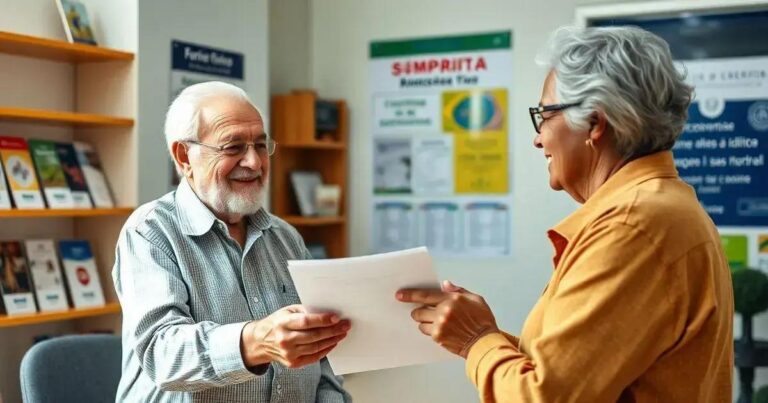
[[182, 122], [628, 74]]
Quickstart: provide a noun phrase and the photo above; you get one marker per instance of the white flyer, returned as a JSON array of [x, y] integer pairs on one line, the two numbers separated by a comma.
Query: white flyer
[[362, 289]]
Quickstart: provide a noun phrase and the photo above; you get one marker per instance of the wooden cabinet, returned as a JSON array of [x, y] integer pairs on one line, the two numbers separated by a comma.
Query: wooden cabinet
[[301, 147]]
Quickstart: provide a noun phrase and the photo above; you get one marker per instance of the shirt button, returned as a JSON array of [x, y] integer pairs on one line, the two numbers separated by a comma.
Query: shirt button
[[279, 386], [256, 299]]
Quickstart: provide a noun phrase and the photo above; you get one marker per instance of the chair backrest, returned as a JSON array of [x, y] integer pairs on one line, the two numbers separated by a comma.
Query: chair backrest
[[83, 368]]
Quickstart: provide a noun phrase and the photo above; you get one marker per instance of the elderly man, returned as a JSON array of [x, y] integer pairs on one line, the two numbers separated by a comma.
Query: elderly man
[[210, 313]]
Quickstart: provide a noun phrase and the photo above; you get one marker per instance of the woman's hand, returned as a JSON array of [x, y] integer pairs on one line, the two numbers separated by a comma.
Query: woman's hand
[[454, 317]]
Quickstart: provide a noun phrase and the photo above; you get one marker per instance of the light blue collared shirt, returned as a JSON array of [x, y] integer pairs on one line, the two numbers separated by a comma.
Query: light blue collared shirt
[[187, 289]]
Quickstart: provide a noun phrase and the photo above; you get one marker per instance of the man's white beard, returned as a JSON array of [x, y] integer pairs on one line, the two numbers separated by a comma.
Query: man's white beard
[[229, 202]]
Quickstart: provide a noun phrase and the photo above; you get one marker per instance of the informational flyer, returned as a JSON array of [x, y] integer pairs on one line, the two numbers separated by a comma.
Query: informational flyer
[[441, 145], [722, 152]]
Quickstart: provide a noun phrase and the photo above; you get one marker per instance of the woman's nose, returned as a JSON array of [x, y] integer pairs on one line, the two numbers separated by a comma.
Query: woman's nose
[[537, 141]]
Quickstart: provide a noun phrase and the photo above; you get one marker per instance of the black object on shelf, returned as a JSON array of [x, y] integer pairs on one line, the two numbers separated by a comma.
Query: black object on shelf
[[326, 116]]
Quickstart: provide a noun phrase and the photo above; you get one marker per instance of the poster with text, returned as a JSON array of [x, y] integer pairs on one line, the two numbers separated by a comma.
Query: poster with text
[[441, 144], [722, 151]]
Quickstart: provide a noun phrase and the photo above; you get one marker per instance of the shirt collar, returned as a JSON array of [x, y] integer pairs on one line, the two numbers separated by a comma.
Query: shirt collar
[[657, 165], [196, 219]]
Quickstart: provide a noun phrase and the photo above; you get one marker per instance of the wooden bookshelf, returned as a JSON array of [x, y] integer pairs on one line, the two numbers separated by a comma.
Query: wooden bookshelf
[[45, 317], [70, 92], [51, 49], [298, 148], [64, 213], [298, 221], [62, 118]]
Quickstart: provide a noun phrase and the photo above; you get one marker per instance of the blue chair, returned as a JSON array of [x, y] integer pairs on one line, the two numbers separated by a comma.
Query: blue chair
[[76, 369]]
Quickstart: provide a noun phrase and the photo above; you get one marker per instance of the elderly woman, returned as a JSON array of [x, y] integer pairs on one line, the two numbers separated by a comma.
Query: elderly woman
[[639, 306]]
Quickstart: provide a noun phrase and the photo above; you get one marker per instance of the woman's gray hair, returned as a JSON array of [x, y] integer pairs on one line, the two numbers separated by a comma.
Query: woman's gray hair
[[182, 122], [626, 73]]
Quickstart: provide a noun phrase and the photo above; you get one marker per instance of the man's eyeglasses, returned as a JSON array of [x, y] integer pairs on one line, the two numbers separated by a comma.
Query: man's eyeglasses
[[238, 149], [536, 112]]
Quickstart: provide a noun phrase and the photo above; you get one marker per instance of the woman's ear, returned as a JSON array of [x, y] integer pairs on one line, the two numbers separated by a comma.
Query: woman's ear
[[598, 125], [181, 157]]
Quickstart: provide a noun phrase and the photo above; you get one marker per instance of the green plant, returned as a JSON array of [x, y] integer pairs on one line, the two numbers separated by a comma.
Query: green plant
[[761, 396], [750, 291]]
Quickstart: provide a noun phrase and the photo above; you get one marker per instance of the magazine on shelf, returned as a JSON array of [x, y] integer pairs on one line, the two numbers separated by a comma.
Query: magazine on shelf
[[94, 175], [77, 26], [20, 173], [46, 275], [81, 274], [75, 177], [51, 175], [5, 197], [14, 277]]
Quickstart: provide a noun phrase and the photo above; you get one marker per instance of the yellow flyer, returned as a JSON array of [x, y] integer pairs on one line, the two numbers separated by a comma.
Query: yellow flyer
[[21, 173]]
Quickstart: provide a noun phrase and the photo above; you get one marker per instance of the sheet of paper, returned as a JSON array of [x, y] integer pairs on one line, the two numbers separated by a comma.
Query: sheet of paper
[[362, 289]]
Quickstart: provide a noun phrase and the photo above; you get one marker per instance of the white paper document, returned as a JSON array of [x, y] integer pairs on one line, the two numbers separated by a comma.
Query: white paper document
[[362, 289]]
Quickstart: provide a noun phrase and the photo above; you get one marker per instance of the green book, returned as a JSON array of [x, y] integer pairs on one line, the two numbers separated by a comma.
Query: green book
[[49, 171]]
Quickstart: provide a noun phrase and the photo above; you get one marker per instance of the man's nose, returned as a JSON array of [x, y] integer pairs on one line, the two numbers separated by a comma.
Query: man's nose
[[251, 159]]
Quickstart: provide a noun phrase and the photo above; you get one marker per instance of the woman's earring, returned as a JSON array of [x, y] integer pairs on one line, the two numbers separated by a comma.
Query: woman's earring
[[589, 143]]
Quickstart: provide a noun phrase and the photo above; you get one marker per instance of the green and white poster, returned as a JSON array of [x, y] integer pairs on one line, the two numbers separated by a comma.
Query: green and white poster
[[441, 145]]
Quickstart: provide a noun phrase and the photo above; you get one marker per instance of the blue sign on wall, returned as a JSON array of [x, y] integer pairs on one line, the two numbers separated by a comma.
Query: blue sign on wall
[[724, 159], [206, 60]]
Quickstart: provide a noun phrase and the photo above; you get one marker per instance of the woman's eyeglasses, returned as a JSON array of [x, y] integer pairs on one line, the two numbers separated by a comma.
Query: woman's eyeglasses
[[536, 112]]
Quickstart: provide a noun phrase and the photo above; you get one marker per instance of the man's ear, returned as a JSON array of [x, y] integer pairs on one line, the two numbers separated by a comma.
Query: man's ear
[[598, 125], [181, 157]]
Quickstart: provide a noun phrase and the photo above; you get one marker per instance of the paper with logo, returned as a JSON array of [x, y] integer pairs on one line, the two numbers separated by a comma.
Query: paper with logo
[[14, 277], [94, 175], [20, 173], [74, 174], [46, 275], [362, 289], [81, 274], [51, 174]]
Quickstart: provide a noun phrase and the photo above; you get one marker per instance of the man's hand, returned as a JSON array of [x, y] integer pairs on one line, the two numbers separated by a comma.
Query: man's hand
[[454, 317], [292, 337]]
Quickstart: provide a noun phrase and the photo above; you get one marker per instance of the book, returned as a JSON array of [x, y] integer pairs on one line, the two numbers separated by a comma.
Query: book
[[5, 197], [46, 275], [304, 185], [75, 176], [14, 277], [20, 173], [81, 274], [77, 26], [94, 175], [51, 175]]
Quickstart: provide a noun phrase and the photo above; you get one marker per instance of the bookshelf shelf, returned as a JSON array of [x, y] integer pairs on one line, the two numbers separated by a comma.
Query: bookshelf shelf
[[313, 221], [317, 145], [63, 213], [62, 118], [51, 49], [45, 317]]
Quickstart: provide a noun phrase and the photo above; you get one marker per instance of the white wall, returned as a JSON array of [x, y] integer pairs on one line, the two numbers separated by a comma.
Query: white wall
[[341, 32], [290, 63], [236, 25]]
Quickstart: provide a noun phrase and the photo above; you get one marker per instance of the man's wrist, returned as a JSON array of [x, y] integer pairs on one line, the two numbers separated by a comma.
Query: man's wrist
[[250, 347]]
